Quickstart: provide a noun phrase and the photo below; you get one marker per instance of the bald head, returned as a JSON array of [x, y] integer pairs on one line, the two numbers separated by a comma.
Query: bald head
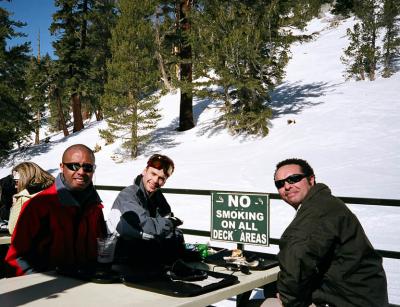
[[78, 147]]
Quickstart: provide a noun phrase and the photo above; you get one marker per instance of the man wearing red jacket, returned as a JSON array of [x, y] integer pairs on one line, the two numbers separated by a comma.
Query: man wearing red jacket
[[58, 227]]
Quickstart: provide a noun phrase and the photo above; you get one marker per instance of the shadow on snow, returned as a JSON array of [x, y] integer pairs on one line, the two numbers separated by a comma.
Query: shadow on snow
[[26, 153], [292, 99], [286, 99]]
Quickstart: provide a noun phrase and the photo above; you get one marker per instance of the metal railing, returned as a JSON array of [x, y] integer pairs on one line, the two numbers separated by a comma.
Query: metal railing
[[274, 241]]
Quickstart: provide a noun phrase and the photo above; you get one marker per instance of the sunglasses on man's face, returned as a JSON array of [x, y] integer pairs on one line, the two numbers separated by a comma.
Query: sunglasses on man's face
[[291, 179], [161, 162], [75, 166]]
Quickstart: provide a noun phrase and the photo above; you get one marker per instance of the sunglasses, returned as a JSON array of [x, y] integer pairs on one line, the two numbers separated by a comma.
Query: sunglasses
[[291, 179], [75, 166], [236, 268], [161, 162]]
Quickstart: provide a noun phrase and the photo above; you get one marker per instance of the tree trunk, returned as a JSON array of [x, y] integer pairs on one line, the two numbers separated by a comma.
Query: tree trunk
[[386, 56], [99, 114], [164, 76], [186, 121], [134, 127], [61, 117], [37, 128], [76, 102], [76, 112]]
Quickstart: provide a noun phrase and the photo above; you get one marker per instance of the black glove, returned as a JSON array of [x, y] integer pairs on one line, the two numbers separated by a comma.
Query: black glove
[[175, 221]]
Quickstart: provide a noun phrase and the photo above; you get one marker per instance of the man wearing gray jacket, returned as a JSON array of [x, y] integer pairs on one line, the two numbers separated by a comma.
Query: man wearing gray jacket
[[143, 220]]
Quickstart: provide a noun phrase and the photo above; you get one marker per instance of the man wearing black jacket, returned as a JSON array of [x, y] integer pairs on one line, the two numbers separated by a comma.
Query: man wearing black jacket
[[325, 257], [143, 220]]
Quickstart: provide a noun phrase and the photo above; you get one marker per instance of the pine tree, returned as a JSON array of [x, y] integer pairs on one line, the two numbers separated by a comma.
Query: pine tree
[[205, 21], [353, 57], [343, 7], [165, 34], [102, 18], [54, 85], [184, 52], [14, 115], [130, 101], [174, 53], [70, 24], [368, 11], [391, 40], [36, 92], [237, 47], [363, 50]]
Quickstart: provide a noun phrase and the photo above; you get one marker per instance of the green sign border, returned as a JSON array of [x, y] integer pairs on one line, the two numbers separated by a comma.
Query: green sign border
[[266, 212]]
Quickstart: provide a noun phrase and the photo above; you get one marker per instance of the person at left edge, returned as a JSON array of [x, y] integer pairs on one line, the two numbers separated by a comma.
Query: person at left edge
[[59, 226], [7, 190], [29, 180]]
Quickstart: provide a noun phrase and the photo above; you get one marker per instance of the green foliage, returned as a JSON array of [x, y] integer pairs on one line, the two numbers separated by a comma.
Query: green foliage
[[36, 91], [79, 64], [391, 40], [73, 58], [247, 115], [353, 57], [294, 13], [167, 39], [238, 48], [363, 54], [236, 45], [83, 28], [14, 120], [53, 86], [343, 7], [107, 135], [102, 18], [14, 117], [129, 101]]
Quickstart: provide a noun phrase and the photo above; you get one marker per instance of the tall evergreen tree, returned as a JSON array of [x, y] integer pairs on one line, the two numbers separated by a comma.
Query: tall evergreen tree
[[70, 25], [174, 53], [165, 29], [203, 15], [362, 54], [238, 47], [129, 101], [363, 49], [353, 57], [14, 115], [391, 40], [343, 7], [36, 92], [369, 13], [58, 106], [184, 51], [102, 18]]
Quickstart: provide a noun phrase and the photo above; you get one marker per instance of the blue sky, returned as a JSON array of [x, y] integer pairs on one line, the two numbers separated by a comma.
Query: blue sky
[[38, 16]]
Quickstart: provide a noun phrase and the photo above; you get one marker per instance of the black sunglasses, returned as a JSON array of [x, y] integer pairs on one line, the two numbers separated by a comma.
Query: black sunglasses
[[237, 267], [291, 179], [75, 166]]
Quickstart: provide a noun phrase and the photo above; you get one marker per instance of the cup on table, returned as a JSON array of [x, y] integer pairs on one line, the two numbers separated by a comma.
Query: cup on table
[[106, 248]]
